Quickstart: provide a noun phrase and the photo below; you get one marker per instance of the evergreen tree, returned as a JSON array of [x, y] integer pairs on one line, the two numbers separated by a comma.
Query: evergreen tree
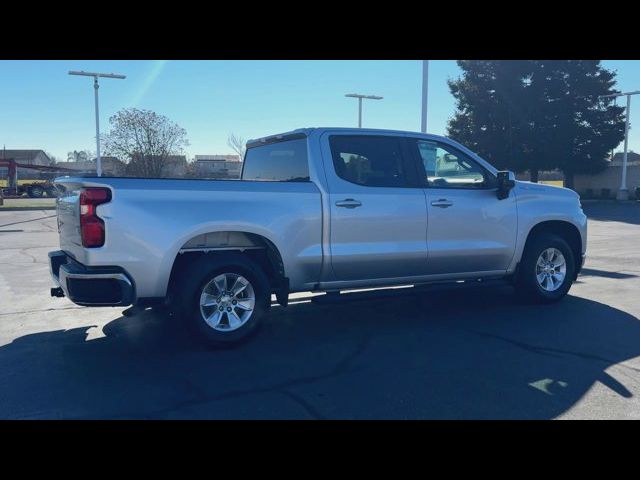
[[537, 115], [583, 128]]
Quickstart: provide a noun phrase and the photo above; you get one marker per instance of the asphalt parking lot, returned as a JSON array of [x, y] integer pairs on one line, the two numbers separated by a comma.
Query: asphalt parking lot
[[403, 354]]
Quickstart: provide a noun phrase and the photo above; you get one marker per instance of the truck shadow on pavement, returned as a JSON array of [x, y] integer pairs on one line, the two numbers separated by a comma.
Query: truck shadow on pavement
[[467, 354]]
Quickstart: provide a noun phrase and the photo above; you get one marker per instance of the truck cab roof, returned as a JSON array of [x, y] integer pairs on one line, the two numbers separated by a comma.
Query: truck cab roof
[[304, 132]]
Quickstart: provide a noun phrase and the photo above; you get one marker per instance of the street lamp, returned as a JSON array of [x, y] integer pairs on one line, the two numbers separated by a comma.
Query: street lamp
[[623, 193], [95, 87], [425, 93], [360, 97]]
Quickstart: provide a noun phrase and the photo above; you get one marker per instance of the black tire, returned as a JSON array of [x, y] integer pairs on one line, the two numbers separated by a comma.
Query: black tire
[[527, 284], [35, 191], [198, 274]]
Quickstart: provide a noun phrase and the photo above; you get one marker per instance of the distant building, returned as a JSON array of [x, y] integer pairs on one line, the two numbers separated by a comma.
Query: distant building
[[111, 166], [631, 157], [27, 157], [544, 175], [81, 167], [175, 166], [218, 166], [606, 183]]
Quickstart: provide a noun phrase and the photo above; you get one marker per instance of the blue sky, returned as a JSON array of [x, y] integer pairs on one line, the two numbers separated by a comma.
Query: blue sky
[[43, 107]]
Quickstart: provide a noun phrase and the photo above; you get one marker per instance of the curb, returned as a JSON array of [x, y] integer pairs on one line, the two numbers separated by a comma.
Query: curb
[[24, 209]]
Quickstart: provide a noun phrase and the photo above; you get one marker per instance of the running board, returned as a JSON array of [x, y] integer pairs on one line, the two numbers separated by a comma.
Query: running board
[[353, 296]]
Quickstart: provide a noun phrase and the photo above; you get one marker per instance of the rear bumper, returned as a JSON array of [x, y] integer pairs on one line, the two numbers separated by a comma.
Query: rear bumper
[[91, 286]]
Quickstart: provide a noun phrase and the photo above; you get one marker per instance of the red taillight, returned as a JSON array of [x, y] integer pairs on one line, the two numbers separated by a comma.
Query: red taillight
[[92, 226]]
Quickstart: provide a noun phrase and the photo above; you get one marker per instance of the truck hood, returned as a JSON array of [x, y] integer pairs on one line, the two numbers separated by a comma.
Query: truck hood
[[546, 190]]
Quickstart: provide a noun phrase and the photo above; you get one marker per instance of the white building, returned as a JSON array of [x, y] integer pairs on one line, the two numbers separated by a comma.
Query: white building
[[219, 166]]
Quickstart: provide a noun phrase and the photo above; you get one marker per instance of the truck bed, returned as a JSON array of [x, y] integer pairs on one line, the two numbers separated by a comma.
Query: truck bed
[[148, 221]]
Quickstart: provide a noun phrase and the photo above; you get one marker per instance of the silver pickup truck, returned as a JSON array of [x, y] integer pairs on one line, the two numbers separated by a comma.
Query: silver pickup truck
[[318, 209]]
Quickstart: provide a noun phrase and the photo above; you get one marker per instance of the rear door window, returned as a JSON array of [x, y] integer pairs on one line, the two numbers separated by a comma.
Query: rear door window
[[372, 161], [277, 162]]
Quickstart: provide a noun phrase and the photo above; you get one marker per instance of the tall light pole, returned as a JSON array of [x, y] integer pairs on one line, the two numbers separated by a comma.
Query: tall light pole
[[95, 87], [360, 97], [425, 94], [623, 193]]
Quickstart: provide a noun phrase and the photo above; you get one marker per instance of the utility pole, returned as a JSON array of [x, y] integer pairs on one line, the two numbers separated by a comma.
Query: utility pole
[[360, 97], [425, 94], [623, 192], [96, 87]]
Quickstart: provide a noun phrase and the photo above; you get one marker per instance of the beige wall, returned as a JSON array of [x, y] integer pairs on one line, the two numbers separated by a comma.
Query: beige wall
[[609, 178]]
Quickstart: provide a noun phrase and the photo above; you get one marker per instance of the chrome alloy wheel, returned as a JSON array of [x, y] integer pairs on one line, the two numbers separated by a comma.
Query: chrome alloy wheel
[[227, 302], [551, 269]]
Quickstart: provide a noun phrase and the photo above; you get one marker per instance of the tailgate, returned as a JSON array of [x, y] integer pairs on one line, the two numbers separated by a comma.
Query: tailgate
[[68, 210]]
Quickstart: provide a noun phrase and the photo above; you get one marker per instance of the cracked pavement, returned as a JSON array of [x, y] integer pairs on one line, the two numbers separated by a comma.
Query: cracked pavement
[[406, 353]]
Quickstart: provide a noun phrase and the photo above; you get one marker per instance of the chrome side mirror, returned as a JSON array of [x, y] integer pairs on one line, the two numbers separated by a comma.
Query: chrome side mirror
[[506, 180]]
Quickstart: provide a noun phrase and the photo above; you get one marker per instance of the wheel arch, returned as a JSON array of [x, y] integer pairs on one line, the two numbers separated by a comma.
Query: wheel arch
[[564, 229], [259, 248]]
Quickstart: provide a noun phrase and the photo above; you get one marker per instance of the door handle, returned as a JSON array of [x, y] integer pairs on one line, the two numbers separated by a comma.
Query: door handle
[[442, 203], [348, 203]]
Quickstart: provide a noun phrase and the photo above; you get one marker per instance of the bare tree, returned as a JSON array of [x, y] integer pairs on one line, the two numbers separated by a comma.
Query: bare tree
[[237, 144], [52, 159], [144, 140]]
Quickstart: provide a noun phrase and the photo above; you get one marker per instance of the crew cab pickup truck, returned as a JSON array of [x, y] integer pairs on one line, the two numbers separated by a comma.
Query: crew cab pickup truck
[[318, 209]]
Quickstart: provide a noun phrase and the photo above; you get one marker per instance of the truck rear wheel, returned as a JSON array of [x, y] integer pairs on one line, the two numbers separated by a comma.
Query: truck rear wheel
[[35, 191], [224, 298], [547, 269]]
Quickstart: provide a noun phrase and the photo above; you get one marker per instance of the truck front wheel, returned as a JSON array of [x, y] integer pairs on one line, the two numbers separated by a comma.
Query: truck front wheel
[[35, 191], [547, 269], [224, 298]]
